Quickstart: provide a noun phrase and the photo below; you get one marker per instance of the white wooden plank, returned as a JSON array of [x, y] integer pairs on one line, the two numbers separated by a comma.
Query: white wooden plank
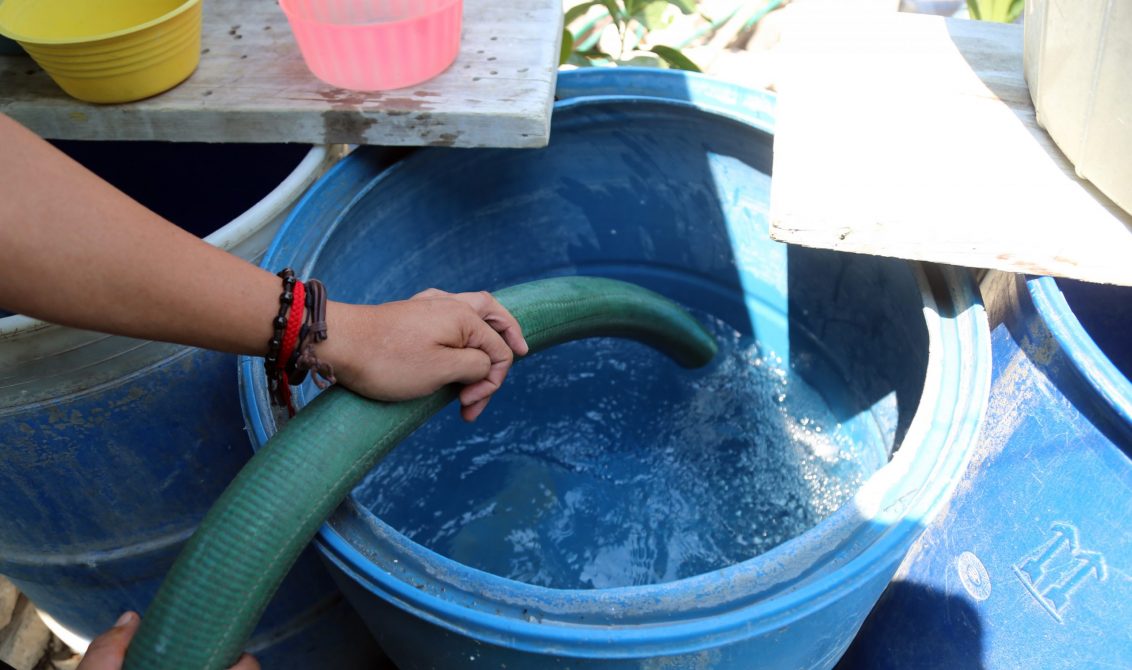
[[914, 136], [252, 86]]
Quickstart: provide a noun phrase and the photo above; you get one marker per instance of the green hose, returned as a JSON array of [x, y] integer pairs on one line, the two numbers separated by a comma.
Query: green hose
[[217, 590]]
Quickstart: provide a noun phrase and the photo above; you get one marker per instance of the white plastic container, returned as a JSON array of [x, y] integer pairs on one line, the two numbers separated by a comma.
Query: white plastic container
[[1078, 60]]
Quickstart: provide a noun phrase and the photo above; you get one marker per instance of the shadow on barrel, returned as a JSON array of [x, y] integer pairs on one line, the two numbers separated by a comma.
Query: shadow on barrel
[[890, 639]]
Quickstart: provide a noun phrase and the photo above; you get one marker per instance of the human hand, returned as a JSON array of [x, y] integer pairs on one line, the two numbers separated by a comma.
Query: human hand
[[108, 651], [410, 348]]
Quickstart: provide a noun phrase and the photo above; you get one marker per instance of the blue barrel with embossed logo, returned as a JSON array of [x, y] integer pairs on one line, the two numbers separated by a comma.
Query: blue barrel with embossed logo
[[1031, 564]]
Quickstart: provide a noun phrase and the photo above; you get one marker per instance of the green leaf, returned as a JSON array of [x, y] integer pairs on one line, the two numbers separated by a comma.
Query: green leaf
[[685, 6], [675, 58], [643, 59], [653, 15], [567, 47], [1014, 11], [594, 54], [579, 60], [1002, 11], [632, 7], [615, 12], [596, 59], [577, 11]]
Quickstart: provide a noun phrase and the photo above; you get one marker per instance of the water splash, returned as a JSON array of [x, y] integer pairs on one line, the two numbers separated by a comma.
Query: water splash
[[603, 464]]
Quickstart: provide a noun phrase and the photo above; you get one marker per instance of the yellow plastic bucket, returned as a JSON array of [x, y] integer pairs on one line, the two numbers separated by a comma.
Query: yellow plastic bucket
[[108, 51]]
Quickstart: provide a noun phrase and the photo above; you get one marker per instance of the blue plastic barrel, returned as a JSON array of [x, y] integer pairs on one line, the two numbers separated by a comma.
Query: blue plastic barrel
[[1029, 567], [112, 449], [662, 179]]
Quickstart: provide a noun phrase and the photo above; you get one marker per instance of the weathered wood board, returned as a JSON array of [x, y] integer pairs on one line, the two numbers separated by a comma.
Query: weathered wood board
[[252, 86], [915, 137]]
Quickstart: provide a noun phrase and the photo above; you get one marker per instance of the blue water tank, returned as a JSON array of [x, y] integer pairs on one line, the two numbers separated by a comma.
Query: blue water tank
[[662, 179], [1030, 566]]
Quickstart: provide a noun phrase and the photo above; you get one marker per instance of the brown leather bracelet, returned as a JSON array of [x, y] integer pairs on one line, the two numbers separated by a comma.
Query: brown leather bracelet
[[304, 359]]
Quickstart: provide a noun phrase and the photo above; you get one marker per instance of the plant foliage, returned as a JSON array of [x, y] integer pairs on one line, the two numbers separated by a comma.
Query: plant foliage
[[1002, 11], [633, 20]]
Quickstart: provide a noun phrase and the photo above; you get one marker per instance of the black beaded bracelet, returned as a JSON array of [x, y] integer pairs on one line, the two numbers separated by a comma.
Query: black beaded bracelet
[[271, 361]]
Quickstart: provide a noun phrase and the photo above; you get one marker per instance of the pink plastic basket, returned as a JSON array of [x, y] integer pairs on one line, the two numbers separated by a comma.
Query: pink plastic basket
[[375, 45]]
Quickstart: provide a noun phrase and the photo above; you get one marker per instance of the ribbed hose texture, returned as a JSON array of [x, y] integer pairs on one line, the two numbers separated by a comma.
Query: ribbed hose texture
[[217, 590]]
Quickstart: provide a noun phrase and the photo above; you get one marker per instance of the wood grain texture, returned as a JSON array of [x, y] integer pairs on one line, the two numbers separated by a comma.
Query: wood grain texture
[[252, 86], [915, 137]]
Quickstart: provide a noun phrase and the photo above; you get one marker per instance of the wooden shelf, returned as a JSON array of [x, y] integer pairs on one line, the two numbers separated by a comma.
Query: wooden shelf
[[915, 137], [252, 86]]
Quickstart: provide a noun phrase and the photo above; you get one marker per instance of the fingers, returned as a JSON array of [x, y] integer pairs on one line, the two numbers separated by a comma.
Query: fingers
[[492, 337], [108, 651], [480, 360], [246, 662], [465, 366], [483, 360], [483, 337], [497, 316], [472, 412], [490, 310]]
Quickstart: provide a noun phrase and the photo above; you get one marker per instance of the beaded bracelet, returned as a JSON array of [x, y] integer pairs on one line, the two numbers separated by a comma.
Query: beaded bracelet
[[280, 322], [277, 386]]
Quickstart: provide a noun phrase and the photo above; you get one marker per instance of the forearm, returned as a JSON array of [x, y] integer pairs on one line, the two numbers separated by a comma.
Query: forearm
[[78, 252]]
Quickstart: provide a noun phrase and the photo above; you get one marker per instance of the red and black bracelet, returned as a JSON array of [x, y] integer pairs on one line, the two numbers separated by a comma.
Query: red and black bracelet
[[300, 324]]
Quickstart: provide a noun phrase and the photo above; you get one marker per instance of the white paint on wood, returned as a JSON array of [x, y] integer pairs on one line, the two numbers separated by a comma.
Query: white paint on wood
[[252, 86], [914, 136]]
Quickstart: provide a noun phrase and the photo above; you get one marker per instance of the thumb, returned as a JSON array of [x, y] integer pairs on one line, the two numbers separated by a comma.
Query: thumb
[[246, 662], [107, 651]]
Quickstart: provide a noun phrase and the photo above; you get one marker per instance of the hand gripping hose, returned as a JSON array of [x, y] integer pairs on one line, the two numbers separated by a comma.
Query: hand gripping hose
[[217, 590]]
